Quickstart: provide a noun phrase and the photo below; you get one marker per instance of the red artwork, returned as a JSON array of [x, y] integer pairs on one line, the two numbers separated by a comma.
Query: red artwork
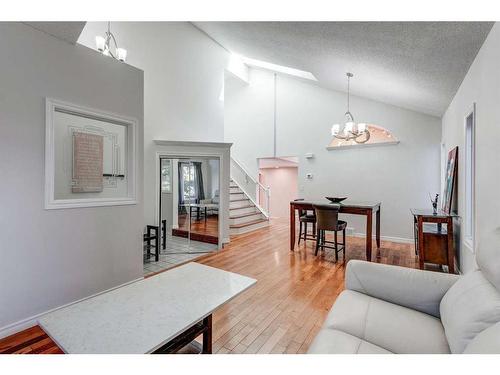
[[87, 163]]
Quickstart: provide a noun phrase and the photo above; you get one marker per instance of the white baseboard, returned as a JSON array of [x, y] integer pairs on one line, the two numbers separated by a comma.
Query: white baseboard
[[387, 238], [33, 320]]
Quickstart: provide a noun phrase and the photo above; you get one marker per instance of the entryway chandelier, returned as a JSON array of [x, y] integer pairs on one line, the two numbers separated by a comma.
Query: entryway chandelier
[[103, 45], [359, 133]]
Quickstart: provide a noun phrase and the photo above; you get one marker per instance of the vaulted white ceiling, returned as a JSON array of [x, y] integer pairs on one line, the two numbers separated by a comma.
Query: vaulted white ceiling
[[414, 65], [67, 31]]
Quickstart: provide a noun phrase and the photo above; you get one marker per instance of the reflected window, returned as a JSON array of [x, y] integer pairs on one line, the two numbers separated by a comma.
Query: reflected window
[[166, 176]]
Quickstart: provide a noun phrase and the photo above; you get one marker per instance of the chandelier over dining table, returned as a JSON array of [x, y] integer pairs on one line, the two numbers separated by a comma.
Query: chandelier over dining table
[[358, 133], [104, 45]]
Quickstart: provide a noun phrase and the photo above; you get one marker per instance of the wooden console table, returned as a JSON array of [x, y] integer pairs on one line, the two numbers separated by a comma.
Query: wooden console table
[[433, 243]]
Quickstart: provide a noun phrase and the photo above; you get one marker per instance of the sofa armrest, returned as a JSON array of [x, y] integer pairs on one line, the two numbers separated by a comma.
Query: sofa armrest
[[412, 288], [486, 342]]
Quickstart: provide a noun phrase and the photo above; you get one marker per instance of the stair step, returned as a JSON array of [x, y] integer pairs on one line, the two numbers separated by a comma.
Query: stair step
[[245, 217], [247, 224], [239, 208], [247, 227], [243, 210], [239, 216], [238, 200], [240, 195], [238, 203]]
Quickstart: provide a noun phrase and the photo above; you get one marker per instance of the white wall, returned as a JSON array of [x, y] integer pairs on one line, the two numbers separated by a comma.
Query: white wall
[[399, 176], [183, 79], [53, 257], [482, 86]]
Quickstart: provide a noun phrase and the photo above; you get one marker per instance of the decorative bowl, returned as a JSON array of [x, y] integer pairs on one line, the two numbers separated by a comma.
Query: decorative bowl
[[336, 199]]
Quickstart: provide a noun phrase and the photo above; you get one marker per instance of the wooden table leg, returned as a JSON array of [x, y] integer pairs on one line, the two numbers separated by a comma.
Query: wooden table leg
[[369, 229], [292, 227], [377, 228], [421, 251], [451, 253], [207, 335]]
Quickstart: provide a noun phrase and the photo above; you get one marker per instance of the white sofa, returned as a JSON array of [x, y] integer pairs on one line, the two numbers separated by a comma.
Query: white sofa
[[389, 309]]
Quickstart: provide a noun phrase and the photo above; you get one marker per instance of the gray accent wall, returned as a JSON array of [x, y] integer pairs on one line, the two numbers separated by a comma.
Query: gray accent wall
[[183, 80], [49, 258]]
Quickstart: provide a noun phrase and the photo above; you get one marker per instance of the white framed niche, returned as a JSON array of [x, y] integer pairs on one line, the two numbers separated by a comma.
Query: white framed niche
[[90, 157]]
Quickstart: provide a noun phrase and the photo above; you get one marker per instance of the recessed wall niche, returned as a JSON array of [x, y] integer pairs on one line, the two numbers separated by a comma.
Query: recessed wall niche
[[378, 136], [90, 157]]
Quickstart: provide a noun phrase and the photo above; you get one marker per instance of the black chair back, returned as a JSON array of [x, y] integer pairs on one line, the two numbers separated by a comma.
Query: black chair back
[[301, 212], [327, 216]]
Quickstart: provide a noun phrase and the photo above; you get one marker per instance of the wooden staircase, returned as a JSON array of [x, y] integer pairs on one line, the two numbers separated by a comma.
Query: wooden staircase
[[244, 216]]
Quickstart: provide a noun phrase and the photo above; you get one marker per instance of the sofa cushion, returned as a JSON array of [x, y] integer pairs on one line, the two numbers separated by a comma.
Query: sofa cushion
[[416, 289], [486, 342], [332, 341], [470, 306], [395, 328], [488, 256]]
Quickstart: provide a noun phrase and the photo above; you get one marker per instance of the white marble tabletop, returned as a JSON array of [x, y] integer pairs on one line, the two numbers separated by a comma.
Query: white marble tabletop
[[142, 316]]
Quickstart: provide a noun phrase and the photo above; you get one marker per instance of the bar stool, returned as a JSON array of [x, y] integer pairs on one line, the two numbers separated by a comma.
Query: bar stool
[[147, 238], [305, 218], [327, 220]]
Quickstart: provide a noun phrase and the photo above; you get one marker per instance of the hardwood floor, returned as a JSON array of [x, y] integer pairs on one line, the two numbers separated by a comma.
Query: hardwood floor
[[30, 341], [201, 230], [287, 306]]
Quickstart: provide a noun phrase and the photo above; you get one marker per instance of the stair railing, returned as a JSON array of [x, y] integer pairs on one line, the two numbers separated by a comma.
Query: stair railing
[[255, 191]]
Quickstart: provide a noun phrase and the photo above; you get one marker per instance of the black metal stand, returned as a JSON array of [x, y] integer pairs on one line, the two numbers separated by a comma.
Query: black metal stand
[[148, 237], [203, 327]]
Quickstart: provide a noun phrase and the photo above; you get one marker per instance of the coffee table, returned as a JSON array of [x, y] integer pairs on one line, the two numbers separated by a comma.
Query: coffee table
[[160, 314]]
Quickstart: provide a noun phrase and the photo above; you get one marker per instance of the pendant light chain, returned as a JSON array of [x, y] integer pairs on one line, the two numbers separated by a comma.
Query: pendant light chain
[[348, 91], [359, 133]]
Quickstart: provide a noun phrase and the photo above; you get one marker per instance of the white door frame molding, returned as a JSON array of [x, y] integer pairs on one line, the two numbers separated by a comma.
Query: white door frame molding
[[177, 149]]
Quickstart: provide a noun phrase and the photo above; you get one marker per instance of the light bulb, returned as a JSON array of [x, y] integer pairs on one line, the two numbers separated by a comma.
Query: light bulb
[[349, 126], [335, 129], [100, 43], [121, 54]]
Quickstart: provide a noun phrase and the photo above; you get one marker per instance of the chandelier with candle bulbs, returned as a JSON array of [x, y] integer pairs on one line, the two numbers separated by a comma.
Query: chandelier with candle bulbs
[[104, 46], [359, 133]]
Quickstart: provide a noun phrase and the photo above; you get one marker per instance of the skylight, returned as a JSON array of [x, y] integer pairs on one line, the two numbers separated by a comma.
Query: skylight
[[276, 68]]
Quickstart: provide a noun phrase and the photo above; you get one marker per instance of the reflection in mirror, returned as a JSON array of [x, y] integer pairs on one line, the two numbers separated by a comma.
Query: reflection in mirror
[[189, 210]]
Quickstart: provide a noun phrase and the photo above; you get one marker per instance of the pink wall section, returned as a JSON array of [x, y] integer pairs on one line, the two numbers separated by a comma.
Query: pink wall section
[[283, 184]]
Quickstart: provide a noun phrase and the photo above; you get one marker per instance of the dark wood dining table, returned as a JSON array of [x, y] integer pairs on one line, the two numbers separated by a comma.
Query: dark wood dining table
[[347, 207]]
